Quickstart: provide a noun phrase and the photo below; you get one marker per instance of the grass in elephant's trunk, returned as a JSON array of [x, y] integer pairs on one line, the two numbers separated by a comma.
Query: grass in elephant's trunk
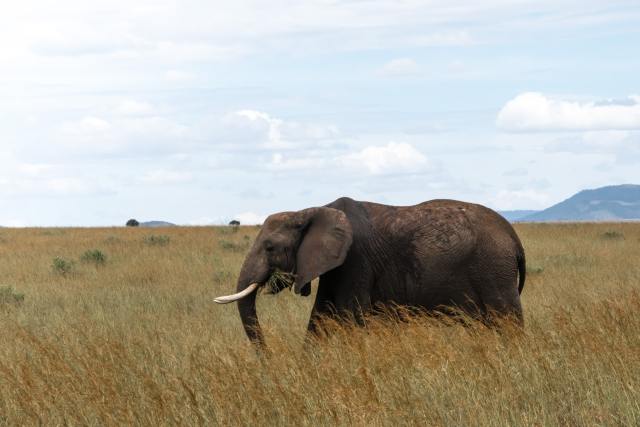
[[278, 281]]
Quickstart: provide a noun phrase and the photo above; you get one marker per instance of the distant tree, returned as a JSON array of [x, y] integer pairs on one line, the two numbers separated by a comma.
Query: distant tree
[[132, 223], [235, 224]]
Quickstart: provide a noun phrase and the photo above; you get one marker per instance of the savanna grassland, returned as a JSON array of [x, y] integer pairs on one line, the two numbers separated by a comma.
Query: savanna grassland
[[117, 326]]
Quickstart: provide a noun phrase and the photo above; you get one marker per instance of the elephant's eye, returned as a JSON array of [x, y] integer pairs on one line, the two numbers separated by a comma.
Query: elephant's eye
[[268, 246]]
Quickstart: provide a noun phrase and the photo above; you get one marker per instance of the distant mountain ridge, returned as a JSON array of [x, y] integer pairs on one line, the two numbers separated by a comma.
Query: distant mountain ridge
[[611, 203], [516, 215]]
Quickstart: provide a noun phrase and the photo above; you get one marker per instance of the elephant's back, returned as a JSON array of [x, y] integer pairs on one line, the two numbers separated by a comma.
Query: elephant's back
[[443, 235], [480, 219], [491, 232], [432, 238], [442, 231]]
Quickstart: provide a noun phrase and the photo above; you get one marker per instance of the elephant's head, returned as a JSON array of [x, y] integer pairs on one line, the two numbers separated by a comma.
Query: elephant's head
[[307, 243]]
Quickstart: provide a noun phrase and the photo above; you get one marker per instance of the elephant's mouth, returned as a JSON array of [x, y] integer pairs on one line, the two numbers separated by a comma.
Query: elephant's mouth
[[277, 282]]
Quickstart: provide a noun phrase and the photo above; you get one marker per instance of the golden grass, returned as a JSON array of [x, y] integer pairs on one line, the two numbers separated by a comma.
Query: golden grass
[[138, 340]]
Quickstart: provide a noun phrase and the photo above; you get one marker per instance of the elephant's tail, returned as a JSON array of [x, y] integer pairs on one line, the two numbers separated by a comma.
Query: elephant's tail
[[522, 269]]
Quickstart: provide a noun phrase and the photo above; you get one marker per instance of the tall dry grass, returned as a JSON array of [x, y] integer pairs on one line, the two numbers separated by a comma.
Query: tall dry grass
[[138, 340]]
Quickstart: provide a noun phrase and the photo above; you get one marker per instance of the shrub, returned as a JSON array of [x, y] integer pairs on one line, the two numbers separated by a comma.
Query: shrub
[[62, 266], [157, 240], [94, 256], [227, 245], [232, 246], [112, 239], [52, 232], [534, 269], [612, 235], [132, 223], [10, 297]]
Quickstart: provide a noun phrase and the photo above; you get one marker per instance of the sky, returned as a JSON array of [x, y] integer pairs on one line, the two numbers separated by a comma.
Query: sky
[[199, 112]]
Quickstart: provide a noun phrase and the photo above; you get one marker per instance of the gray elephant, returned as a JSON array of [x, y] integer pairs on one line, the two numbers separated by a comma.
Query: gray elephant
[[434, 255]]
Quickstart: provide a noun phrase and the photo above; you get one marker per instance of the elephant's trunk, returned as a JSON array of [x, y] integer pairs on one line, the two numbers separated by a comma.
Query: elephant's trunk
[[254, 273], [249, 317]]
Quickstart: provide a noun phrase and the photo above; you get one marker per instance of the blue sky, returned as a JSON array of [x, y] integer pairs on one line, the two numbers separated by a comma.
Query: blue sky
[[199, 112]]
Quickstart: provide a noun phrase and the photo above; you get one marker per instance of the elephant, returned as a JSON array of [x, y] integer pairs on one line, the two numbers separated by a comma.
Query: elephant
[[435, 255]]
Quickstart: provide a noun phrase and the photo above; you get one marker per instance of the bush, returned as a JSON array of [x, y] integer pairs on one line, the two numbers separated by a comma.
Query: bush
[[94, 256], [112, 239], [10, 297], [52, 232], [234, 247], [62, 266], [534, 269], [612, 235], [132, 223], [157, 240]]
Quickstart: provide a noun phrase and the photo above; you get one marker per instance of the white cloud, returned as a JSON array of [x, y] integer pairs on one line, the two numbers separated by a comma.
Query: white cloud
[[262, 122], [606, 139], [162, 176], [127, 135], [88, 125], [281, 163], [178, 76], [131, 107], [388, 159], [535, 112], [200, 30], [74, 28], [67, 186], [250, 218], [156, 127], [32, 169], [452, 38], [520, 199], [399, 67], [56, 186], [269, 132]]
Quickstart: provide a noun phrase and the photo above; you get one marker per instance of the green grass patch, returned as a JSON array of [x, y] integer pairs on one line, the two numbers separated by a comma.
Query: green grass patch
[[94, 256], [9, 297], [62, 266]]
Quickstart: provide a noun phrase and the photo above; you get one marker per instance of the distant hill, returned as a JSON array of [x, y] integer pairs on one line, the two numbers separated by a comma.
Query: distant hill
[[612, 203], [152, 224], [516, 215]]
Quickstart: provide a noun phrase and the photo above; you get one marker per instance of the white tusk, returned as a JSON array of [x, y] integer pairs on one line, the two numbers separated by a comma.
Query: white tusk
[[235, 297]]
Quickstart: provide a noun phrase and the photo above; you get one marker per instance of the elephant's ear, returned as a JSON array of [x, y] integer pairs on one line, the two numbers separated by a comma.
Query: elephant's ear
[[326, 239]]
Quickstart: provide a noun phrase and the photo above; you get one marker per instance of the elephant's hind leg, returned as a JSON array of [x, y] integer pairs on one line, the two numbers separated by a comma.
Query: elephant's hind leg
[[501, 302]]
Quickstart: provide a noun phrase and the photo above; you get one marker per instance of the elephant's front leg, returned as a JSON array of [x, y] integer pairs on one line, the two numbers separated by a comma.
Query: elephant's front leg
[[323, 308], [342, 306]]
